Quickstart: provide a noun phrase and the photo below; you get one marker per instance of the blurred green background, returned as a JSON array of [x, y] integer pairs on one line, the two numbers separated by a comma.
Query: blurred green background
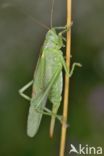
[[20, 42]]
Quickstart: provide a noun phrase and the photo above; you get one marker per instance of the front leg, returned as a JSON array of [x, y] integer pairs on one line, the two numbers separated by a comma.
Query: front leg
[[21, 91], [66, 28], [69, 74], [73, 67]]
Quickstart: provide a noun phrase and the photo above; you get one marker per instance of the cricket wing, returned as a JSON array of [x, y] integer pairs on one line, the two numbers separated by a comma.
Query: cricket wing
[[37, 102], [34, 118]]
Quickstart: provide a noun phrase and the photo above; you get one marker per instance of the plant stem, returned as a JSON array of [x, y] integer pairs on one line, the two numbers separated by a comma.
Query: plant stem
[[66, 89]]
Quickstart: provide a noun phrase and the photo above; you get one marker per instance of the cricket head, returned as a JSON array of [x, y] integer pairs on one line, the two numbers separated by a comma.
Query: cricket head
[[55, 40]]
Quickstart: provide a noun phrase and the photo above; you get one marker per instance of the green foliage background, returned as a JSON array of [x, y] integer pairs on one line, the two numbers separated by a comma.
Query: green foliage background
[[20, 42]]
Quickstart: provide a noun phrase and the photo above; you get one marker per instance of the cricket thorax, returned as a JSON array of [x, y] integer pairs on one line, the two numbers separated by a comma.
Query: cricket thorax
[[53, 40]]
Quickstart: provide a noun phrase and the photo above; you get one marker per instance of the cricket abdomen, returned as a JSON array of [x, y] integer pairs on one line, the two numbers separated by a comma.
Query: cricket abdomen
[[53, 62]]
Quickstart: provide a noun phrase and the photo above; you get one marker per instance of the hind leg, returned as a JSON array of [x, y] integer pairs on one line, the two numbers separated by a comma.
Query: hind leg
[[55, 99]]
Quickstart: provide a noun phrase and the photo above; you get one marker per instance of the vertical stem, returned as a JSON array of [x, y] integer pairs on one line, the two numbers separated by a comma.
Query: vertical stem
[[66, 89]]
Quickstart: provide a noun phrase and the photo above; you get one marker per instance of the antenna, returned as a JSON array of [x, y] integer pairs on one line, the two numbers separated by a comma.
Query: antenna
[[51, 18], [34, 19], [37, 21]]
